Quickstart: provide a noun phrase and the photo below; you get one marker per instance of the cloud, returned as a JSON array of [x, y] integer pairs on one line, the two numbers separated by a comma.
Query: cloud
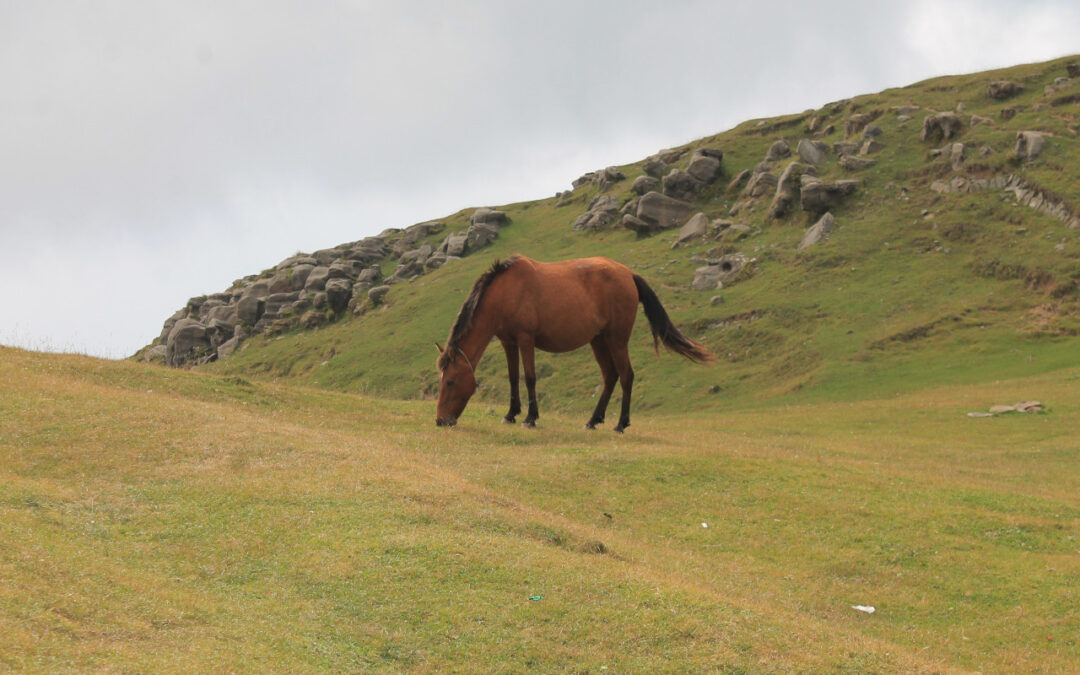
[[154, 151]]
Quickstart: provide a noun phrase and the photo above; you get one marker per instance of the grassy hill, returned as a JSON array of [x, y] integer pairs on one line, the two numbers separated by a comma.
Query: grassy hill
[[173, 521], [915, 288]]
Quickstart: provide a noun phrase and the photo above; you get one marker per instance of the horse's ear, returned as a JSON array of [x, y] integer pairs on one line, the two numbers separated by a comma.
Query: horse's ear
[[439, 347]]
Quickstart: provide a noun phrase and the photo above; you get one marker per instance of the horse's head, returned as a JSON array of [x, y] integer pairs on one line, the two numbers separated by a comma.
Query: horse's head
[[456, 385]]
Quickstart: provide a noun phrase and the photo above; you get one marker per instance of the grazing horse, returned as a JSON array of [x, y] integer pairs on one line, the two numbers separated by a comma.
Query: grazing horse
[[556, 307]]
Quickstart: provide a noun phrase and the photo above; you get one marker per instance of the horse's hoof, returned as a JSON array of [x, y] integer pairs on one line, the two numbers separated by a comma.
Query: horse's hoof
[[529, 424], [619, 430], [509, 420], [590, 425]]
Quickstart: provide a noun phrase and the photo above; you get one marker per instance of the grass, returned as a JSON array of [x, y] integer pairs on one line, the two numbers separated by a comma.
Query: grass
[[163, 520]]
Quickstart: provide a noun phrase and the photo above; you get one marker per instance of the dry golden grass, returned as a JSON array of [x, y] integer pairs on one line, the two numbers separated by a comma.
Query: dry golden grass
[[168, 521]]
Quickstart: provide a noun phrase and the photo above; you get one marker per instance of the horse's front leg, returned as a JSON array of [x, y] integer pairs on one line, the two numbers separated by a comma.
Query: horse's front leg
[[512, 370], [528, 360]]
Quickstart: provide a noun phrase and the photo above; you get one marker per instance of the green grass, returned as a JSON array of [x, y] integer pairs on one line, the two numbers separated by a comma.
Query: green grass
[[163, 520], [914, 289]]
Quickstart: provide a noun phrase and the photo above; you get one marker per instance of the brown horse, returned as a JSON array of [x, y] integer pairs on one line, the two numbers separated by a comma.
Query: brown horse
[[556, 307]]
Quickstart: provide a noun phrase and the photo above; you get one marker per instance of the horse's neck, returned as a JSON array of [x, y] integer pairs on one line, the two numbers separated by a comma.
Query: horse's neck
[[479, 337]]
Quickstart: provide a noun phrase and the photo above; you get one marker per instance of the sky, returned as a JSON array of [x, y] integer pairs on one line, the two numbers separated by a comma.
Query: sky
[[153, 151]]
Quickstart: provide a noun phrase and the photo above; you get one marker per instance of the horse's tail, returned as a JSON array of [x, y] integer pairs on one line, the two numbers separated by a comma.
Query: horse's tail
[[665, 331]]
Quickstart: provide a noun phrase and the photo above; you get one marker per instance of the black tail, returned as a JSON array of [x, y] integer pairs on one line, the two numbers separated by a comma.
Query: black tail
[[665, 331]]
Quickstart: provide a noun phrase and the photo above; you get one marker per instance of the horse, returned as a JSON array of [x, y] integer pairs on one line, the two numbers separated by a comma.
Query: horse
[[555, 307]]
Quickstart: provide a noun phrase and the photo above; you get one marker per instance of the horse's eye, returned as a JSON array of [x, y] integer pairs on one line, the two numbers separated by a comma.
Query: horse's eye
[[450, 383]]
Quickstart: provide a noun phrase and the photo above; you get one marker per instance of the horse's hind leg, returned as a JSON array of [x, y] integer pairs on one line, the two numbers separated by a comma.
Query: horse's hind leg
[[512, 370], [607, 370], [621, 357], [525, 343]]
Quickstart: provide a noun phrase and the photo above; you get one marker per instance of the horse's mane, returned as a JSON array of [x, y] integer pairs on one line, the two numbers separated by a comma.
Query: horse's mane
[[464, 322]]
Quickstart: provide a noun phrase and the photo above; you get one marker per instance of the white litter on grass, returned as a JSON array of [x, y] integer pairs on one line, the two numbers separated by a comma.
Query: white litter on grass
[[864, 608], [705, 525]]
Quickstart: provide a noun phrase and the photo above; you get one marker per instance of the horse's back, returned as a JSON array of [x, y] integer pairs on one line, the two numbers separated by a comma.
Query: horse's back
[[566, 304]]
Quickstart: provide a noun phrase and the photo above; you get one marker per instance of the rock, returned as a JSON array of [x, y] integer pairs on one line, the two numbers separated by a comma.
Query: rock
[[343, 269], [478, 236], [871, 131], [218, 331], [760, 184], [739, 179], [187, 341], [1003, 89], [1007, 114], [156, 354], [316, 278], [298, 259], [226, 349], [602, 211], [818, 232], [298, 275], [455, 243], [716, 300], [856, 123], [655, 167], [718, 272], [870, 146], [663, 212], [250, 309], [941, 126], [976, 120], [812, 152], [378, 294], [1028, 145], [280, 283], [371, 274], [786, 189], [1029, 406], [681, 185], [855, 163], [704, 167], [279, 304], [956, 156], [434, 262], [635, 224], [643, 184], [818, 196], [778, 150], [486, 215], [326, 256], [693, 229], [338, 294], [842, 148]]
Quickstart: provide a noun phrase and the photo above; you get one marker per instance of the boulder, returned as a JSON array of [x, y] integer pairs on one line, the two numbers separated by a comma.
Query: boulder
[[342, 269], [298, 275], [338, 294], [378, 294], [812, 152], [760, 184], [635, 224], [371, 274], [602, 211], [842, 148], [856, 123], [257, 289], [643, 184], [818, 232], [941, 126], [187, 341], [693, 229], [326, 256], [218, 331], [655, 167], [663, 212], [316, 278], [723, 270], [491, 216], [1003, 89], [156, 354], [455, 243], [870, 146], [250, 309], [681, 185], [855, 163], [280, 283], [705, 165], [739, 180], [956, 155], [1028, 145], [226, 349], [298, 259], [818, 196], [871, 131], [478, 236], [778, 150], [279, 304], [786, 188]]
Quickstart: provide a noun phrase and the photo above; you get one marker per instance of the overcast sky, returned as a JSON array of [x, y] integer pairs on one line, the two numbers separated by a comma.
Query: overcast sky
[[155, 151]]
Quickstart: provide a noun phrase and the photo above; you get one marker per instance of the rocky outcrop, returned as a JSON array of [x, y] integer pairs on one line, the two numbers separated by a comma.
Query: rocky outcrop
[[817, 196], [602, 179], [695, 228], [718, 272], [643, 184], [656, 212], [1003, 89], [602, 211], [1028, 145], [813, 152], [777, 151], [787, 188]]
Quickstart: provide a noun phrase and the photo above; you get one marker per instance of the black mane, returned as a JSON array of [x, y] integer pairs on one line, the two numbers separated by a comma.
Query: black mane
[[464, 322]]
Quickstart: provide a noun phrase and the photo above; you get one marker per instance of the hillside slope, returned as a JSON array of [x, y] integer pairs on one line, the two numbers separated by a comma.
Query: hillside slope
[[953, 257]]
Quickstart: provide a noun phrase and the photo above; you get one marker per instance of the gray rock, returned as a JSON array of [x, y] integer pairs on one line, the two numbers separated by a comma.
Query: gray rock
[[298, 275], [1028, 145], [871, 131], [719, 272], [635, 224], [681, 185], [643, 184], [778, 150], [786, 189], [486, 215], [870, 146], [378, 294], [187, 341], [760, 184], [956, 156], [818, 196], [338, 294], [855, 163], [227, 348], [250, 309], [455, 244], [601, 212], [1003, 89], [316, 279], [655, 167], [812, 152], [818, 232], [739, 180], [326, 256], [704, 167], [693, 229], [298, 259], [344, 269], [842, 148], [662, 212], [156, 354], [941, 126], [370, 274]]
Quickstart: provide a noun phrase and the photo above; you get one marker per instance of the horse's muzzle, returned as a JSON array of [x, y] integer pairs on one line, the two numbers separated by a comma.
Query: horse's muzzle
[[443, 422]]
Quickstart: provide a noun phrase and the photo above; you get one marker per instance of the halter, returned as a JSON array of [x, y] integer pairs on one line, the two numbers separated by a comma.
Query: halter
[[466, 357]]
